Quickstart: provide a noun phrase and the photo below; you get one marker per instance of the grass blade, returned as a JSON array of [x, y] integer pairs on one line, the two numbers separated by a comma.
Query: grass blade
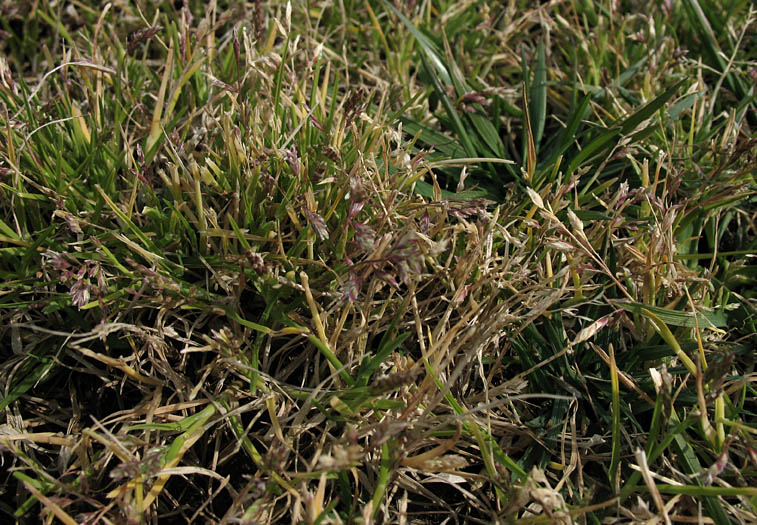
[[646, 111], [615, 385], [428, 48], [538, 110]]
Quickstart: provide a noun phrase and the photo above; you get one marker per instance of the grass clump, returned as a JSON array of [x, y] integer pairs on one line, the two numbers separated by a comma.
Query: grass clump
[[377, 263]]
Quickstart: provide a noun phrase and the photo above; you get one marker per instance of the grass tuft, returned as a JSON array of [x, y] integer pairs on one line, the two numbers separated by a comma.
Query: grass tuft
[[377, 262]]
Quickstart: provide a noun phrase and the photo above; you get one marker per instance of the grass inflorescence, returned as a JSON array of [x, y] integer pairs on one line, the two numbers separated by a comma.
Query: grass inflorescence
[[378, 262]]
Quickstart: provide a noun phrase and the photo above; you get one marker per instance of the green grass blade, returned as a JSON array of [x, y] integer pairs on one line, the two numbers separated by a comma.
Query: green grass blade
[[646, 111], [615, 454], [440, 142], [371, 364], [704, 29], [490, 140], [717, 319], [684, 104], [538, 109], [385, 470], [456, 122], [692, 466], [29, 381], [595, 147], [428, 48]]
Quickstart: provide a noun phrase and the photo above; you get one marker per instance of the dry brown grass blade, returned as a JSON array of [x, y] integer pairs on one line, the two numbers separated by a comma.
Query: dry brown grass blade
[[50, 505], [46, 438], [641, 461], [419, 460], [627, 381], [118, 364]]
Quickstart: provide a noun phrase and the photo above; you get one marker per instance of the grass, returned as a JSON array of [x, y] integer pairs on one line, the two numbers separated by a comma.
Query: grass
[[379, 262]]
